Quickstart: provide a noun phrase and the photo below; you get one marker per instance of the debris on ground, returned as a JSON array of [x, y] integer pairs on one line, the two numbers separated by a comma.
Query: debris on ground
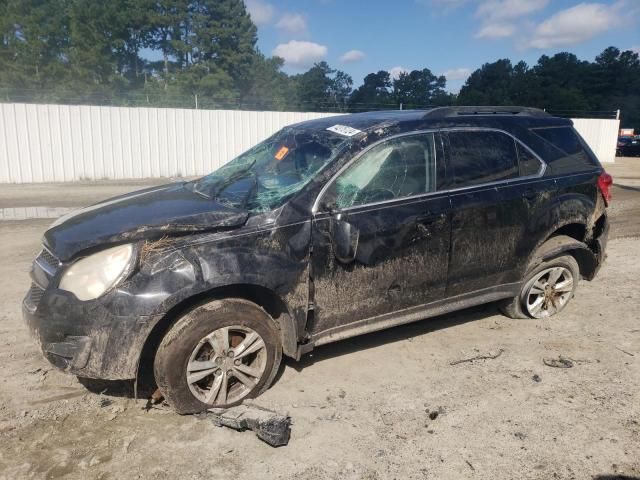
[[624, 351], [269, 426], [155, 398], [560, 362], [488, 356], [536, 378]]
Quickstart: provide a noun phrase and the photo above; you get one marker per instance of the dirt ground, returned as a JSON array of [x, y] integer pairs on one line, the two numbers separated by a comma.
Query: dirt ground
[[361, 408]]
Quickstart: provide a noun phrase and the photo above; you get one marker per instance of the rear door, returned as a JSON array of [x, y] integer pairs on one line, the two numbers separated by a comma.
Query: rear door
[[525, 202], [479, 160], [386, 208]]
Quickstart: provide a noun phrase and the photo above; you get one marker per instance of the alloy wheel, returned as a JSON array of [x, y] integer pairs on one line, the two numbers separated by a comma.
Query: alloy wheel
[[226, 365], [549, 292]]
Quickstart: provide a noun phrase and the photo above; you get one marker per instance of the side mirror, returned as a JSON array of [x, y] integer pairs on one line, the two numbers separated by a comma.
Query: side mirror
[[345, 240]]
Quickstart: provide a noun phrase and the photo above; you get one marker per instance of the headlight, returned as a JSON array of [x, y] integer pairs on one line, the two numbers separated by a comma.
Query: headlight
[[90, 277]]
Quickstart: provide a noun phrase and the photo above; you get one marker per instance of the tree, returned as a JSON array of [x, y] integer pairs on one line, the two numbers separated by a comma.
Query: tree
[[222, 36], [375, 92], [489, 85], [267, 87], [322, 88], [35, 38], [420, 88]]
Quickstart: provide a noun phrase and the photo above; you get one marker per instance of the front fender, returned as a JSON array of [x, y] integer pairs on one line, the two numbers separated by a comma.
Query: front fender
[[270, 265]]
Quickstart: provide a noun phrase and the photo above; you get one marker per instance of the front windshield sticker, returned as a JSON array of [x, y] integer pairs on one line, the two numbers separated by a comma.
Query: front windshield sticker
[[280, 154], [344, 130]]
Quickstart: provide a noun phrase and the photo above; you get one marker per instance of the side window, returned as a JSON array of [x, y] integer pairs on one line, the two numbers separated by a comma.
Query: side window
[[481, 156], [529, 163], [563, 150], [398, 168]]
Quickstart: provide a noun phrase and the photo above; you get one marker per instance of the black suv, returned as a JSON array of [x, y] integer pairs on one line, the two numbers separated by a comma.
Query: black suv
[[328, 229]]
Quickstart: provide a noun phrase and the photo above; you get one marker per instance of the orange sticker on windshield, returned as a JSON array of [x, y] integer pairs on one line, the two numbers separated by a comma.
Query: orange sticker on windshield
[[280, 154]]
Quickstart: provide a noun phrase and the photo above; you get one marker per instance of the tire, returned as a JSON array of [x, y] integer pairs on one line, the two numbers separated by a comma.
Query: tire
[[194, 364], [524, 305]]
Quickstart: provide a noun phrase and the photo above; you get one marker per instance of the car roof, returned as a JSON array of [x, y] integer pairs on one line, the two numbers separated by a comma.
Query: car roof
[[437, 117]]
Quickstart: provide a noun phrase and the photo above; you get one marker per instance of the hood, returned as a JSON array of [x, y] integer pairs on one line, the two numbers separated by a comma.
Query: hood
[[150, 213]]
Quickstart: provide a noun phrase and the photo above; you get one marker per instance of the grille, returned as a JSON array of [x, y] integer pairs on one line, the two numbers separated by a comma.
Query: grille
[[34, 296], [49, 259]]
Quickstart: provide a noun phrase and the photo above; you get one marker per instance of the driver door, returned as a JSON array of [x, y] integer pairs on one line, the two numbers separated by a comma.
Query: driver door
[[381, 236]]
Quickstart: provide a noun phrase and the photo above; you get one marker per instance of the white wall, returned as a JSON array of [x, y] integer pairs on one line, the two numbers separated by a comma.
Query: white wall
[[58, 143], [601, 135]]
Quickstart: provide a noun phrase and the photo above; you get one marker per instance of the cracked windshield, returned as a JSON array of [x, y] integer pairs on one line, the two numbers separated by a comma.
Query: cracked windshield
[[267, 175]]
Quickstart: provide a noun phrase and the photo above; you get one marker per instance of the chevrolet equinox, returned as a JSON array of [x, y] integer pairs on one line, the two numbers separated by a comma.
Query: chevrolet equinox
[[328, 229]]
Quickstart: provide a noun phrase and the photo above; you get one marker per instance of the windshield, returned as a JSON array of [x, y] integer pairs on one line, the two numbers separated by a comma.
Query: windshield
[[264, 177]]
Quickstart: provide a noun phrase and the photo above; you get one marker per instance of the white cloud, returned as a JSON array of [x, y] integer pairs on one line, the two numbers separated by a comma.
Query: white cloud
[[495, 10], [300, 54], [635, 49], [576, 24], [502, 18], [457, 74], [396, 71], [496, 30], [261, 12], [352, 56], [292, 23]]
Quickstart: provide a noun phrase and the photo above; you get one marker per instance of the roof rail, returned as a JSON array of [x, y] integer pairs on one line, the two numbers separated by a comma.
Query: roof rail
[[444, 112]]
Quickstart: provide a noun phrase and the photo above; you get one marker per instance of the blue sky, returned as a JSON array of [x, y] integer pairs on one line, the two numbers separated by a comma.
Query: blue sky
[[451, 37]]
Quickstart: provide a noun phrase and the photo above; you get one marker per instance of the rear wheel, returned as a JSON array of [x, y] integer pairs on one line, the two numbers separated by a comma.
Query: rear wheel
[[546, 290], [217, 355]]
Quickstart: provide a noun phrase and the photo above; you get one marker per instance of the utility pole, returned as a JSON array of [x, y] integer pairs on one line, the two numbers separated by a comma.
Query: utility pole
[[196, 101]]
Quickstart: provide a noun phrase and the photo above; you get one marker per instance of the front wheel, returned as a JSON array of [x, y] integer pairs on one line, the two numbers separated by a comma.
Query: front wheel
[[546, 289], [217, 355]]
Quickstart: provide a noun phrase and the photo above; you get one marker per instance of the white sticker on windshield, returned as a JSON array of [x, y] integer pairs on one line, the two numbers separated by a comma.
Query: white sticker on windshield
[[344, 130]]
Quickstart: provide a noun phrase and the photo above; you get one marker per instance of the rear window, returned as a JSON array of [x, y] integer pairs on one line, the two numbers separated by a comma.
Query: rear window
[[478, 157], [563, 150], [529, 163]]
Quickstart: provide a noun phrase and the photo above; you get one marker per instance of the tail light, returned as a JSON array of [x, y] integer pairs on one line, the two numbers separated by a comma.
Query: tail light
[[604, 184]]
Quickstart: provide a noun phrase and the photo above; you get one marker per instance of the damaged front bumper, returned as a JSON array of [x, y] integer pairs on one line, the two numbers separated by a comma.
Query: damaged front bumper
[[84, 338]]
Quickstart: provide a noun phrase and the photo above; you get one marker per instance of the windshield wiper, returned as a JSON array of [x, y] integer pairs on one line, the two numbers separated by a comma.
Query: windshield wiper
[[217, 188], [233, 178]]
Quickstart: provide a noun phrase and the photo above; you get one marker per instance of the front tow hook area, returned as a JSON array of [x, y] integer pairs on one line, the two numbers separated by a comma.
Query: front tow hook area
[[72, 354]]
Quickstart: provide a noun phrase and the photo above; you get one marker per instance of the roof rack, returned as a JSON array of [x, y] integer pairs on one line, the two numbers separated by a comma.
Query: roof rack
[[444, 112]]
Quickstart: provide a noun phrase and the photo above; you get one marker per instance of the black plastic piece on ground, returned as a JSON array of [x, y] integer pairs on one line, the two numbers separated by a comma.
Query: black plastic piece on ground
[[269, 426]]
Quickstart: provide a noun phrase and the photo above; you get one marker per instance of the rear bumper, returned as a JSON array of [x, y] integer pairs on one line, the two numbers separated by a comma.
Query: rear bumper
[[601, 246]]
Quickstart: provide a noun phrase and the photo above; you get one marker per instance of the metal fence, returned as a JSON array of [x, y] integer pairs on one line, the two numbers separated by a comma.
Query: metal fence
[[60, 143]]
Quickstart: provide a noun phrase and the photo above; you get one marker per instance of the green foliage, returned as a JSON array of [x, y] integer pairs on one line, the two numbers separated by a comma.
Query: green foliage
[[419, 88], [375, 92], [321, 88], [170, 52], [562, 84]]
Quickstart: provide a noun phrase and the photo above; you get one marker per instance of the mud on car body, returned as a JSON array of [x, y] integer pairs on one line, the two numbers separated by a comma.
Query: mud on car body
[[329, 229]]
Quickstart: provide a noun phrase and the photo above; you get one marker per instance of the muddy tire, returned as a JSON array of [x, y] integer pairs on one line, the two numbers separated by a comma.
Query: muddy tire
[[218, 354], [546, 290]]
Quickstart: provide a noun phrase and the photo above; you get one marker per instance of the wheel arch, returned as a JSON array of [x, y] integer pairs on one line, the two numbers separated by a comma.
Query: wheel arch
[[263, 297], [558, 242]]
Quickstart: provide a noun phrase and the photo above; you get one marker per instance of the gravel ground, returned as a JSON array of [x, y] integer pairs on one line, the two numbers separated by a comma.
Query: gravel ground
[[384, 405]]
